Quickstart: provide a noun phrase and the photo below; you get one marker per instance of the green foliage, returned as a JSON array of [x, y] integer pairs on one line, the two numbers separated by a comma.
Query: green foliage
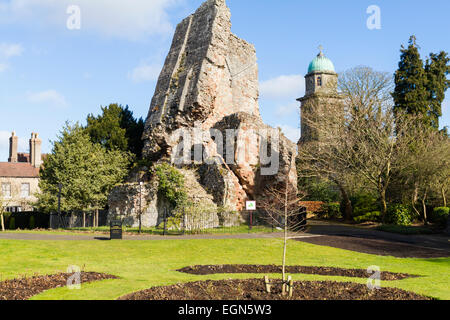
[[399, 214], [318, 190], [364, 203], [171, 184], [374, 216], [437, 68], [12, 223], [86, 171], [32, 223], [440, 215], [332, 211], [116, 128], [420, 90]]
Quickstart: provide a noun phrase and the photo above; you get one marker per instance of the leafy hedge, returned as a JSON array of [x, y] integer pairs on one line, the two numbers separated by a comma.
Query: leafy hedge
[[440, 215], [330, 211], [374, 216], [363, 204], [26, 220]]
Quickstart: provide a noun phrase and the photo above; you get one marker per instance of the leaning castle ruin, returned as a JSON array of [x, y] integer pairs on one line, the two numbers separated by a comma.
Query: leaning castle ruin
[[208, 85]]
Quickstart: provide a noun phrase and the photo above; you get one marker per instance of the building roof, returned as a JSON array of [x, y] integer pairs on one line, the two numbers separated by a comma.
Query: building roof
[[18, 170], [321, 64]]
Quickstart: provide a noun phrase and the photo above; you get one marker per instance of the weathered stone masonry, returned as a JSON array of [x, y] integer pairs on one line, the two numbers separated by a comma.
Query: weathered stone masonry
[[209, 81]]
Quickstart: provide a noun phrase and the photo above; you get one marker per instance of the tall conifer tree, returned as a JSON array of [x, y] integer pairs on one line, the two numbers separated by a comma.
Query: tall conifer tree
[[437, 69], [410, 93], [419, 89]]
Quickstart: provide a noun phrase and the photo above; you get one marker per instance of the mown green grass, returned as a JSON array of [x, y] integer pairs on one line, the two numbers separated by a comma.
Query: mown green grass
[[144, 264]]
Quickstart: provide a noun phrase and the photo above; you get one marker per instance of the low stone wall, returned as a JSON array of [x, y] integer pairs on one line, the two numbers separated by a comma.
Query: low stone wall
[[128, 200]]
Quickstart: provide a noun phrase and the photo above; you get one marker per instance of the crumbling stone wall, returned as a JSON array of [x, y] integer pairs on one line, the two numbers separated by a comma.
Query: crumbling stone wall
[[210, 82]]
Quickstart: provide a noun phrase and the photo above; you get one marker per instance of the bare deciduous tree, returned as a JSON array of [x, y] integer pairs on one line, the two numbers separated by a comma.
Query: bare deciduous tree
[[3, 205], [338, 126], [281, 207], [426, 164]]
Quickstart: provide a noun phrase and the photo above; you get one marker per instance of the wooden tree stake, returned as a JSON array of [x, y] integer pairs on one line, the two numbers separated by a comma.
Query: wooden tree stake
[[268, 285], [291, 286]]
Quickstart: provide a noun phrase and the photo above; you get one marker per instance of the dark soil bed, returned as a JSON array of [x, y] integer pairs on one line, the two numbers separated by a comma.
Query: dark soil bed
[[25, 288], [323, 271], [375, 246], [254, 289]]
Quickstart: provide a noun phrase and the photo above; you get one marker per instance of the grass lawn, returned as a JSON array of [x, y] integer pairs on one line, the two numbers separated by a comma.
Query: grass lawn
[[143, 264]]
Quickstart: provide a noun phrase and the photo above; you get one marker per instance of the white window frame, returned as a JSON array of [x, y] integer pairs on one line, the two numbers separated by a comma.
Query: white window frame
[[24, 194], [4, 193]]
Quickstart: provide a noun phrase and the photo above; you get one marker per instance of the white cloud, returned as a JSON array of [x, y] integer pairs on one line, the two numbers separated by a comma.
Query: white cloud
[[8, 50], [291, 133], [284, 86], [50, 97], [288, 109], [145, 72], [131, 19]]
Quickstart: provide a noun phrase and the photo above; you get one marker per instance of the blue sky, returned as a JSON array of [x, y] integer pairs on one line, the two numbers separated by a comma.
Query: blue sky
[[50, 74]]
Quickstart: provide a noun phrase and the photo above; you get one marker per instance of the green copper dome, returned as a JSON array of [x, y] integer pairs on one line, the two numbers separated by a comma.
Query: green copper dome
[[321, 63]]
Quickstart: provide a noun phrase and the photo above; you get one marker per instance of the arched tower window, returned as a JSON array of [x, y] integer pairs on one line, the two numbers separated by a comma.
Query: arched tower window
[[319, 81]]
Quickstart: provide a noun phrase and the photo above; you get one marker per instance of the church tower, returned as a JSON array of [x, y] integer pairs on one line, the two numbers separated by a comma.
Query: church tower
[[321, 88]]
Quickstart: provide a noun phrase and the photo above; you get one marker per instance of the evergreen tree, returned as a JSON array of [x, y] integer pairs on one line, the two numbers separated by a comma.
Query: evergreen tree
[[106, 130], [116, 128], [410, 94], [419, 89], [437, 68], [134, 130]]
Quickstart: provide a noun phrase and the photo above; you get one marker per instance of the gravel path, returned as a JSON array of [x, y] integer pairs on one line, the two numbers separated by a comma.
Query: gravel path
[[69, 237]]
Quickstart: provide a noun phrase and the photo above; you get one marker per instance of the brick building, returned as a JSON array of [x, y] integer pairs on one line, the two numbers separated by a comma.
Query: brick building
[[19, 177]]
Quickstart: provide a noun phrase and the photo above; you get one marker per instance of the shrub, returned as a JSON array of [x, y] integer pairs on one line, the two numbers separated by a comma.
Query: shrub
[[364, 203], [171, 184], [330, 211], [399, 214], [440, 215], [374, 216], [333, 210], [12, 223], [32, 222]]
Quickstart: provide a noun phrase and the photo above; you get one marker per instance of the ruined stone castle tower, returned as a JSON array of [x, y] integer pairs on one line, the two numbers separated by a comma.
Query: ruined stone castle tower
[[209, 83]]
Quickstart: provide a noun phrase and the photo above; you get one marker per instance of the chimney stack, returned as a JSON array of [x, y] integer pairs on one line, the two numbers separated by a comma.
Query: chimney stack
[[13, 145], [35, 150]]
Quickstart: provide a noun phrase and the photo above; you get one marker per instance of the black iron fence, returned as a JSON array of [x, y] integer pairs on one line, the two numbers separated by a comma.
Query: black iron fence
[[225, 223], [77, 220], [210, 223]]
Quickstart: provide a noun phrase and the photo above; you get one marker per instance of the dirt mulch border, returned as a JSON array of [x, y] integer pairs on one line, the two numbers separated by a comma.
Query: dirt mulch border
[[254, 289], [267, 269], [372, 245], [27, 287]]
